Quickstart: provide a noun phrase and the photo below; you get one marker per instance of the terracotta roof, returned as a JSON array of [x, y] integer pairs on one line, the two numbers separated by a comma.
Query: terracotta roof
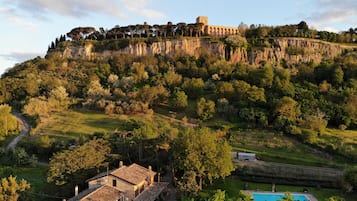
[[104, 193], [83, 194], [133, 174], [152, 192]]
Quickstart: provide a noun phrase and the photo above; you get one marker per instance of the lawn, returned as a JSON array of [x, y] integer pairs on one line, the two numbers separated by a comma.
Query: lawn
[[232, 186], [73, 124], [345, 141], [36, 175], [271, 146]]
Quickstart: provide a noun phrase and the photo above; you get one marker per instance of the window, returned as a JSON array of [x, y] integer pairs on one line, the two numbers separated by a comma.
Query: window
[[114, 182]]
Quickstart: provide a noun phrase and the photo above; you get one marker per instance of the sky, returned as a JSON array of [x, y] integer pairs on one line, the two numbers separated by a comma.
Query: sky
[[28, 26]]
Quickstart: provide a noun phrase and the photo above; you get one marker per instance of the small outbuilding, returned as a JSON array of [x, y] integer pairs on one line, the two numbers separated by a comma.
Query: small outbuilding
[[242, 156]]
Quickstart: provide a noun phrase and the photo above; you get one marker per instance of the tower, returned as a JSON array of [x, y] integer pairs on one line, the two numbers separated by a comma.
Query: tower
[[202, 19]]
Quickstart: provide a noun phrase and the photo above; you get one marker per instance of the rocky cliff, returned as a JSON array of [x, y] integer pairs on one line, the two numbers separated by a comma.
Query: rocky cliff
[[291, 50]]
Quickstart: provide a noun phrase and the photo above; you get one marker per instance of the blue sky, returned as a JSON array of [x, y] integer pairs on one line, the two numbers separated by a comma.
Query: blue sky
[[28, 26]]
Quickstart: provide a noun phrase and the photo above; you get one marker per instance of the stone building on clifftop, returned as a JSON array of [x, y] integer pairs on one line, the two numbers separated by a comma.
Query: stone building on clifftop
[[213, 30]]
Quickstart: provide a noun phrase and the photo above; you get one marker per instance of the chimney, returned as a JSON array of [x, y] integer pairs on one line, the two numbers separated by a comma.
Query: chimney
[[76, 190], [120, 164], [150, 168]]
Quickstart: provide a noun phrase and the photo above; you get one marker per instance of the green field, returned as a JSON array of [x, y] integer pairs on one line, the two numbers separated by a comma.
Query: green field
[[73, 124], [36, 175], [271, 146]]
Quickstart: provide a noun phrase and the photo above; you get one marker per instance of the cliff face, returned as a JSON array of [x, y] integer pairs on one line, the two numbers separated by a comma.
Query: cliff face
[[291, 50], [296, 50], [191, 47]]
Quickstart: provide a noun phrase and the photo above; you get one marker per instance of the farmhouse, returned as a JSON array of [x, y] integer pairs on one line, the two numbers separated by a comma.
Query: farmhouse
[[127, 183]]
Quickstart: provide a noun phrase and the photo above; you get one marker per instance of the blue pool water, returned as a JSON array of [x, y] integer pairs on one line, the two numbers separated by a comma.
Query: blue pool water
[[277, 196]]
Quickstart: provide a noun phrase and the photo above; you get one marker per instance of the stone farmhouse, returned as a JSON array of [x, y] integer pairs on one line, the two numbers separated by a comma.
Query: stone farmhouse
[[213, 30], [127, 183]]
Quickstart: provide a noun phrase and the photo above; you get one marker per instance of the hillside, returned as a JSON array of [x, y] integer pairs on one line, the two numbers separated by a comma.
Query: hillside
[[290, 100]]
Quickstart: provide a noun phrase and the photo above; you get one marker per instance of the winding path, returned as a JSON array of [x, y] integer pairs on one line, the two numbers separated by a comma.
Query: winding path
[[24, 130]]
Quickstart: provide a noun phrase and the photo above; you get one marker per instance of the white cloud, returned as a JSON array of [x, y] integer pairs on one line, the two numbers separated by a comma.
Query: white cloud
[[332, 12], [20, 56], [41, 9], [73, 8], [12, 16], [140, 7]]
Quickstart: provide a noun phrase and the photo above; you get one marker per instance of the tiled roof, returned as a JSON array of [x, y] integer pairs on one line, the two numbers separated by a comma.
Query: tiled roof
[[83, 194], [104, 193], [152, 192], [133, 174], [100, 193]]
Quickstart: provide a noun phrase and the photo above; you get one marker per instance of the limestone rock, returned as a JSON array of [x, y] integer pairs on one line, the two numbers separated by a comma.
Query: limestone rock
[[291, 50]]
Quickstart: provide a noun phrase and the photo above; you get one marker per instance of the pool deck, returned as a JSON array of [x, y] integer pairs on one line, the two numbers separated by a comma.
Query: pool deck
[[310, 196]]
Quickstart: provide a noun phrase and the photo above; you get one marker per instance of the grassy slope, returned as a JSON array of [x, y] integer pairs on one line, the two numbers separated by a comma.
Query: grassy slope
[[72, 124], [274, 147]]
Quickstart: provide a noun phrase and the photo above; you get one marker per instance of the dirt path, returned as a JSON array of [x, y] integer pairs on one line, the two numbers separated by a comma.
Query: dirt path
[[24, 130]]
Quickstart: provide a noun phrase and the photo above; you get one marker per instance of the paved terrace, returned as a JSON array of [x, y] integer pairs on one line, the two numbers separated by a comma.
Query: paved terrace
[[152, 192]]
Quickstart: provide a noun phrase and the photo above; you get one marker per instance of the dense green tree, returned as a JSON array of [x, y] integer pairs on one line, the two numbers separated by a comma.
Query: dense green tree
[[199, 155], [222, 68], [153, 95], [225, 90], [337, 76], [179, 100], [139, 72], [193, 87], [58, 99], [303, 26], [96, 91], [349, 107], [256, 94], [172, 79], [241, 89], [287, 108], [90, 155], [205, 109], [237, 41], [219, 195], [10, 189], [8, 122], [263, 76]]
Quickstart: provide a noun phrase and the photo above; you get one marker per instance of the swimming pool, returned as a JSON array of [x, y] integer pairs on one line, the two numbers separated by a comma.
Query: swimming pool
[[277, 196]]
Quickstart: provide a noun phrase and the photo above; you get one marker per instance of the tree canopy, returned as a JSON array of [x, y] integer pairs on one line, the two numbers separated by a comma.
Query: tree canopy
[[10, 189], [90, 155], [198, 155]]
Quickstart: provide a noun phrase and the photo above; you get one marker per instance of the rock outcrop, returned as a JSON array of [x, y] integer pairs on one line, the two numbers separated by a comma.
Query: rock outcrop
[[289, 50]]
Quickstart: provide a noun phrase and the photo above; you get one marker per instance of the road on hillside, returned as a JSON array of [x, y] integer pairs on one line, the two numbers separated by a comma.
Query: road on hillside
[[24, 130]]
